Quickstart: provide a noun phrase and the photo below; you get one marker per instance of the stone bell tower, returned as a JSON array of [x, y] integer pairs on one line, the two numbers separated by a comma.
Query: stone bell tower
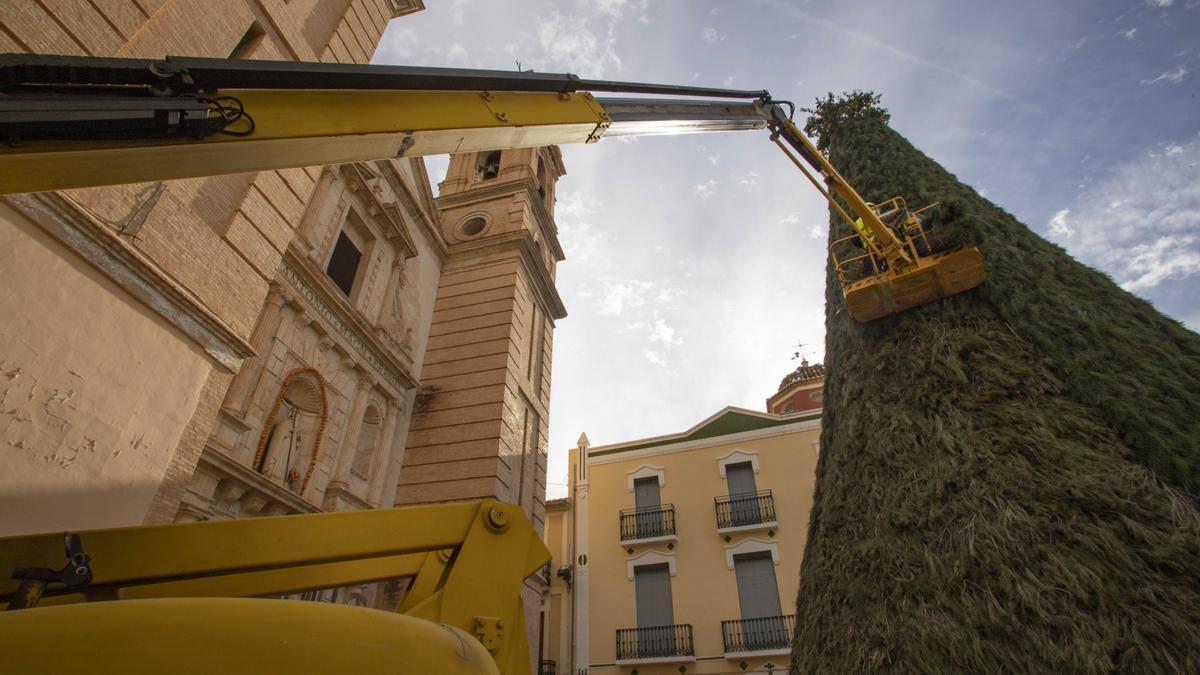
[[480, 420]]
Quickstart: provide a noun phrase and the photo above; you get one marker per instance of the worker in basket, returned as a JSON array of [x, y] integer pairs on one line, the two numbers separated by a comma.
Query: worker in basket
[[866, 241]]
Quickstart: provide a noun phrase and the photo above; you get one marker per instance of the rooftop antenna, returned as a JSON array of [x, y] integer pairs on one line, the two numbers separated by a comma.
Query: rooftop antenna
[[799, 353]]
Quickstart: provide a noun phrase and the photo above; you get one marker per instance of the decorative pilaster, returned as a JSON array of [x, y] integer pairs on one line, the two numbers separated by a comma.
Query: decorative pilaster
[[384, 453], [236, 397], [345, 458]]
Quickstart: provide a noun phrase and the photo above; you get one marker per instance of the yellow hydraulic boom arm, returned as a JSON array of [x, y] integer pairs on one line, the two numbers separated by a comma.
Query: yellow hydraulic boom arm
[[74, 122], [188, 598]]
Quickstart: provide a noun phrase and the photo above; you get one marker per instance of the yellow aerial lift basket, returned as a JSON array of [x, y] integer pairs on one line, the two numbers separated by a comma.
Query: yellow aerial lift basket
[[875, 288]]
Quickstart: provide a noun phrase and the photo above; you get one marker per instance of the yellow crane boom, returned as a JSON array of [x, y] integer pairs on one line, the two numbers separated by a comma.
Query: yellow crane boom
[[74, 122]]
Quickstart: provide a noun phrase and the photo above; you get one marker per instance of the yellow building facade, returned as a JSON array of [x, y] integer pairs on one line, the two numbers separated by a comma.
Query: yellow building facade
[[681, 553]]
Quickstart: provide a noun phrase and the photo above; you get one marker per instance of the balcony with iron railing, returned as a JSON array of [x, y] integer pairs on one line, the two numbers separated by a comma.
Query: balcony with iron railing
[[655, 644], [768, 635], [648, 524], [746, 511]]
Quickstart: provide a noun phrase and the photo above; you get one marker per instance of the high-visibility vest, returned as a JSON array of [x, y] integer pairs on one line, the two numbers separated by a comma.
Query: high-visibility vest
[[864, 233]]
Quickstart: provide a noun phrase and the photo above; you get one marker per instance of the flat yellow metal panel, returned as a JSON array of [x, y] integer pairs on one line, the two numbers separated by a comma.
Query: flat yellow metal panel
[[308, 128], [233, 636], [163, 553]]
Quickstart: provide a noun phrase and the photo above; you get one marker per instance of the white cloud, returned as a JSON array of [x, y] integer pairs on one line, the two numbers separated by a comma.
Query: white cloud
[[706, 189], [1128, 34], [610, 7], [791, 218], [1160, 3], [458, 10], [1162, 259], [1142, 224], [655, 357], [885, 45], [749, 179], [714, 159], [1060, 225], [573, 213], [817, 231], [1173, 76], [712, 36], [568, 42], [456, 55], [619, 296], [664, 334], [398, 45]]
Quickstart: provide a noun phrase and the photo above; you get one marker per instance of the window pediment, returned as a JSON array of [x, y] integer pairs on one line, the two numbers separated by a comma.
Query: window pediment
[[365, 183], [647, 471]]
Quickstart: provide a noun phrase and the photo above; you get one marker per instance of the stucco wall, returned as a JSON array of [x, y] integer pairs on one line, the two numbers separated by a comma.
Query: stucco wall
[[95, 390], [704, 589]]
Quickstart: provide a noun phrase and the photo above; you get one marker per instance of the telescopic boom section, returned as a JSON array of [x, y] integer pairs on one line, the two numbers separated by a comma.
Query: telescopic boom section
[[80, 121], [72, 122]]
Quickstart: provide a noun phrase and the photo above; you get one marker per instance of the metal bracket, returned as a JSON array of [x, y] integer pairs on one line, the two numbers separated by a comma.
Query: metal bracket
[[77, 573], [490, 631]]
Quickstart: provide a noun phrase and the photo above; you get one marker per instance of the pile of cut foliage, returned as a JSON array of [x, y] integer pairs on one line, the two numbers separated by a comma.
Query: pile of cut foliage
[[1007, 476]]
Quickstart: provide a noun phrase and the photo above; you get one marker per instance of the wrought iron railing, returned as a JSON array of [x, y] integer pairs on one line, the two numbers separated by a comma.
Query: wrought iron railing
[[648, 522], [753, 635], [548, 668], [748, 508], [654, 642]]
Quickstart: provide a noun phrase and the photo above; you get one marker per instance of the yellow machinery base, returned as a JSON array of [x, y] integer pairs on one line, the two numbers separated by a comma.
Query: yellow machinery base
[[233, 635]]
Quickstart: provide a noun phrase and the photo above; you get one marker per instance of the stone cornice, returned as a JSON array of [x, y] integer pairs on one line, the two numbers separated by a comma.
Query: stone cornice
[[217, 461], [508, 188], [402, 7], [135, 273], [520, 245], [417, 212], [545, 222], [389, 363], [340, 491], [672, 448]]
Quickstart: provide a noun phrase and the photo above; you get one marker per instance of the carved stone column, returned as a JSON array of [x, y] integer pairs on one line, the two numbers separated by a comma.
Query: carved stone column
[[345, 458], [382, 461], [236, 398], [387, 495]]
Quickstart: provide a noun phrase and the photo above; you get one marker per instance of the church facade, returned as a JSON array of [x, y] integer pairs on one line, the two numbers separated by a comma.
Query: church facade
[[293, 341]]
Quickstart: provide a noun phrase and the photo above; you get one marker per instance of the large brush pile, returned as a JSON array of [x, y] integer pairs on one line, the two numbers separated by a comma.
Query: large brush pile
[[1005, 475]]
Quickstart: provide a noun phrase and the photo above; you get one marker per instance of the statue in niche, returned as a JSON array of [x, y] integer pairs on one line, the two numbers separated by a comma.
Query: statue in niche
[[395, 324]]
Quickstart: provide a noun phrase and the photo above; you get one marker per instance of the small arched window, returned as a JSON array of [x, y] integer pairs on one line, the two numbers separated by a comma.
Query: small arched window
[[487, 165]]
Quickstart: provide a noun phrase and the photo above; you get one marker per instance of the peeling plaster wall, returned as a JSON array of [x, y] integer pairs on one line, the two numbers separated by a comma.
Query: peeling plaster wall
[[95, 390]]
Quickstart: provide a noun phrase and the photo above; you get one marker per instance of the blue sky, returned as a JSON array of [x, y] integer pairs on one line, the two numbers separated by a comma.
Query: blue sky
[[694, 263]]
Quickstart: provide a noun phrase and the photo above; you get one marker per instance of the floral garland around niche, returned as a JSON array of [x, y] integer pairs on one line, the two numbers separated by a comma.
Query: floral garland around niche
[[266, 431]]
